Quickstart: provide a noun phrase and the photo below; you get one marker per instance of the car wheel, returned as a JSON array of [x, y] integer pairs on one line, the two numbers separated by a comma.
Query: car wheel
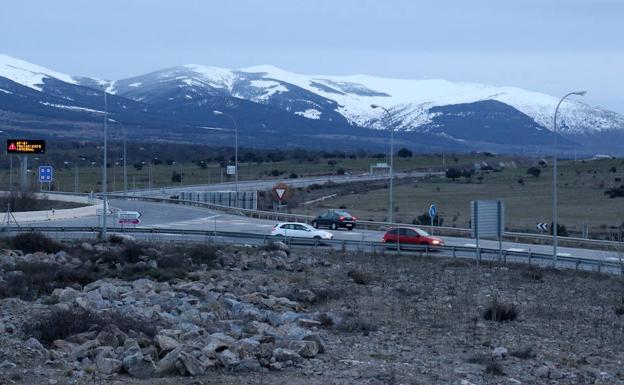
[[317, 237], [334, 226], [315, 224], [350, 228], [279, 235]]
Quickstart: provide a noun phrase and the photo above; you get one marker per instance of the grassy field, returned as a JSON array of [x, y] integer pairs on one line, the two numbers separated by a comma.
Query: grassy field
[[89, 176], [581, 188], [528, 199]]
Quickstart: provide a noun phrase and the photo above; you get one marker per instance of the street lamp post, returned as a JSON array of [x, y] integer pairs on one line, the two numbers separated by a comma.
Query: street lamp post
[[104, 171], [554, 200], [219, 113], [389, 119]]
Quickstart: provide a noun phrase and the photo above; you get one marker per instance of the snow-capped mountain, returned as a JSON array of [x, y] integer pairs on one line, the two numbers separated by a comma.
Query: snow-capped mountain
[[274, 107], [321, 97]]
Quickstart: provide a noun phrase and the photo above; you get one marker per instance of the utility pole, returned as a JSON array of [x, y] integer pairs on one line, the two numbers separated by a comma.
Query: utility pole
[[104, 170]]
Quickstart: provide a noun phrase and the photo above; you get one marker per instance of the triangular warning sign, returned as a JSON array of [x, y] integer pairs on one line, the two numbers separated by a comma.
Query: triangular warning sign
[[280, 192], [12, 147]]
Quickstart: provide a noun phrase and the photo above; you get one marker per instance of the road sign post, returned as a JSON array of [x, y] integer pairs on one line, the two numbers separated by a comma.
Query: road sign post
[[280, 192], [46, 175], [432, 213], [487, 219]]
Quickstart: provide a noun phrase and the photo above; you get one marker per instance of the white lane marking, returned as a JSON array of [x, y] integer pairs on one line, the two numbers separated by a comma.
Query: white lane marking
[[564, 254], [198, 221], [515, 249], [470, 245]]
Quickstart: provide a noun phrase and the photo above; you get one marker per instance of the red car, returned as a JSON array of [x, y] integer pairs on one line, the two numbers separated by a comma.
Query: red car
[[411, 235]]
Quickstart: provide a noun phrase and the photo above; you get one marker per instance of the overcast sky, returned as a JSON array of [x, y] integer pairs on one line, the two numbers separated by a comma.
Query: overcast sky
[[551, 46]]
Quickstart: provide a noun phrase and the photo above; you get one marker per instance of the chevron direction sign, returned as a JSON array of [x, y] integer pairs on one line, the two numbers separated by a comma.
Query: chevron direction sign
[[542, 226]]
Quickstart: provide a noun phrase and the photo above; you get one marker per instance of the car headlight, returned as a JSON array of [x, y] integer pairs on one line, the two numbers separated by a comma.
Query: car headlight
[[435, 242]]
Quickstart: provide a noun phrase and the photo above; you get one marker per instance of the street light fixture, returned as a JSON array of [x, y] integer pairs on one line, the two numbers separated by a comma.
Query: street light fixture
[[554, 208], [219, 113], [389, 119]]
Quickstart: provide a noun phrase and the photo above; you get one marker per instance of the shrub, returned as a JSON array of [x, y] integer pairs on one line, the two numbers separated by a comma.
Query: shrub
[[615, 192], [495, 368], [562, 231], [425, 220], [33, 242], [62, 323], [453, 173], [203, 254], [534, 273], [31, 280], [404, 153], [115, 239], [523, 353], [360, 277], [534, 171], [176, 177], [356, 324], [500, 312], [132, 252]]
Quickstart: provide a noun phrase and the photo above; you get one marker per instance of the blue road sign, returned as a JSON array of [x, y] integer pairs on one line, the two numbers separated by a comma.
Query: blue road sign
[[45, 174], [432, 211]]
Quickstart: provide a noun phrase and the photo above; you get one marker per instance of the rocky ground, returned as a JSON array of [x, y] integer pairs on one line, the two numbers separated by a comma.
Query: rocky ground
[[125, 313]]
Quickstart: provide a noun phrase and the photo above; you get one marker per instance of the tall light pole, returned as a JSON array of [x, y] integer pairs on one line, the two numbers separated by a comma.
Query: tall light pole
[[389, 120], [104, 171], [554, 200], [219, 113]]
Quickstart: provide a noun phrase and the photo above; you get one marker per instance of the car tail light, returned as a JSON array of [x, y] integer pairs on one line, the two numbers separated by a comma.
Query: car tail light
[[354, 218], [341, 219]]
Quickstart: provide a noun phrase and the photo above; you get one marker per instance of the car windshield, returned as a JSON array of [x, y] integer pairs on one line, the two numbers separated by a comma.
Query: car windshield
[[422, 233], [343, 213]]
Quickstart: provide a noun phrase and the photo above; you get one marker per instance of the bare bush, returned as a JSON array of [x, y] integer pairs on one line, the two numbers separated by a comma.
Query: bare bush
[[523, 353], [360, 277], [500, 312], [31, 280], [33, 242], [62, 323], [354, 323]]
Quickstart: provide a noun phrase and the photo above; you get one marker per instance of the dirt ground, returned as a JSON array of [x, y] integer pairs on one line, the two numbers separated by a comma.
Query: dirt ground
[[416, 320]]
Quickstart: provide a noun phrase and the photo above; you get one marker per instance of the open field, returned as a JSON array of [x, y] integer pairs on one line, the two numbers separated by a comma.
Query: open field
[[379, 319], [83, 166], [581, 188]]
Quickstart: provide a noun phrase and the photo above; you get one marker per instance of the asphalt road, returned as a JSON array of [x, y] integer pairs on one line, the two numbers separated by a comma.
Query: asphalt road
[[172, 216], [255, 185]]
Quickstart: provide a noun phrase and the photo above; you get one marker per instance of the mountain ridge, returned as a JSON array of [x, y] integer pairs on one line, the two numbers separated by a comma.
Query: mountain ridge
[[266, 99]]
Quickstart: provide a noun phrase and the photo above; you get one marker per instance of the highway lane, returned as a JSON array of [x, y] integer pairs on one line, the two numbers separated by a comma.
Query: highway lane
[[254, 185], [173, 216]]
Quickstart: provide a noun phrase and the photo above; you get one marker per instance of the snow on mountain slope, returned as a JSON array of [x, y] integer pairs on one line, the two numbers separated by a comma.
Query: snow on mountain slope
[[28, 74], [410, 100]]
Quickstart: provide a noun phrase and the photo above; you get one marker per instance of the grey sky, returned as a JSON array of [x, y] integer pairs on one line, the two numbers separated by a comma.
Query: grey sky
[[550, 46]]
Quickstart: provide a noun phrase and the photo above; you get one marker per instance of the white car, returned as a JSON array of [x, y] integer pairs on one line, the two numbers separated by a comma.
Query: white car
[[300, 230]]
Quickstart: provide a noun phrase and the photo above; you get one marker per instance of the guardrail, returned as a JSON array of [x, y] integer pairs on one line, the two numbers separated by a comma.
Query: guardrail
[[481, 255]]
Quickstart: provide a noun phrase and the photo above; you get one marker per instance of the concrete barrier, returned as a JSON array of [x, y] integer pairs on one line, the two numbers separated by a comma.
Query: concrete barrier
[[52, 215]]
